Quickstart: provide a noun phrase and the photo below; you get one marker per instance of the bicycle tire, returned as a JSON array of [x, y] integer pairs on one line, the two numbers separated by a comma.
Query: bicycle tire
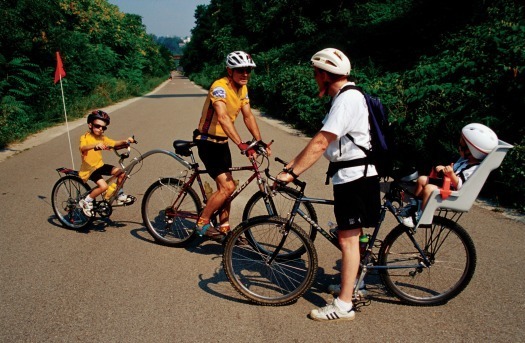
[[66, 194], [281, 205], [453, 261], [178, 228], [279, 283]]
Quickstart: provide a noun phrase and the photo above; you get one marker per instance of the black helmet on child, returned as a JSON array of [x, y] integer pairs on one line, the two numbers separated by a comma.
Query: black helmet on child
[[98, 114]]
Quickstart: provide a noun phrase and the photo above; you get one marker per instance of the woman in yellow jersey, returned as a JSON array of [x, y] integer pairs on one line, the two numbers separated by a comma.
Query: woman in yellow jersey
[[227, 98]]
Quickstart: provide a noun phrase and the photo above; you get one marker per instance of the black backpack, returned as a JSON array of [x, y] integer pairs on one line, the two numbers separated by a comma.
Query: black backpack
[[381, 140]]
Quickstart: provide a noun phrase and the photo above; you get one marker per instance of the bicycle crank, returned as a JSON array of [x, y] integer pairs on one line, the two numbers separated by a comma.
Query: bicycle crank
[[104, 209]]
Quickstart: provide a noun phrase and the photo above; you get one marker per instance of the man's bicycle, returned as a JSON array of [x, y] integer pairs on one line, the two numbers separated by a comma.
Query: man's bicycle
[[425, 267], [171, 206], [429, 264]]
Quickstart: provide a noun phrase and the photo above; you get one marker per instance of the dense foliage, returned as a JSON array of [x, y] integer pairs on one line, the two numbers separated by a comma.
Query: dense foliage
[[437, 66], [107, 56], [173, 44]]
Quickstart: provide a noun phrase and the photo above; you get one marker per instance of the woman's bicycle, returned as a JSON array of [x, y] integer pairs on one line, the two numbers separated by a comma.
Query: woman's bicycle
[[426, 265], [171, 206]]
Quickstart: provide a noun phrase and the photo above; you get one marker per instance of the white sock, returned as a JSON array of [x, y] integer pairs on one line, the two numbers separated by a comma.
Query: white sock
[[89, 199], [343, 306]]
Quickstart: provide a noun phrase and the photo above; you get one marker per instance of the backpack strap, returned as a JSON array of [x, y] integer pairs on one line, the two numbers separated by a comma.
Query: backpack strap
[[333, 167], [344, 89]]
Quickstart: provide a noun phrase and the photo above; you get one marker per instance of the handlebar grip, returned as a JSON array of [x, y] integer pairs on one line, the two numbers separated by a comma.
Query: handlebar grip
[[281, 161]]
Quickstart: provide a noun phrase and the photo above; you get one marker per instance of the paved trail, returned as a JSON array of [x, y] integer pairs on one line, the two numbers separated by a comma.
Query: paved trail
[[114, 284]]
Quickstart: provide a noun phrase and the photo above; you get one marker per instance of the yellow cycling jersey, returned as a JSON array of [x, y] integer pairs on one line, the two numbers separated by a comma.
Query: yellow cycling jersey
[[92, 159], [221, 90]]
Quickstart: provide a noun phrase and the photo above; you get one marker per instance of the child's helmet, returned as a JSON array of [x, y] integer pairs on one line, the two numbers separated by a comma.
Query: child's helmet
[[98, 114], [239, 59], [332, 60], [480, 139]]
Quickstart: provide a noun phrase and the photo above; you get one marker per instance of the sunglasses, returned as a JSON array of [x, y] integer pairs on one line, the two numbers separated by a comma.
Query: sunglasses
[[96, 126], [243, 70]]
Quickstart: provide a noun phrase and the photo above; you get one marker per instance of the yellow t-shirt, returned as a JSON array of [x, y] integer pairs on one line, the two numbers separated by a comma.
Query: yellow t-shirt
[[221, 90], [92, 159]]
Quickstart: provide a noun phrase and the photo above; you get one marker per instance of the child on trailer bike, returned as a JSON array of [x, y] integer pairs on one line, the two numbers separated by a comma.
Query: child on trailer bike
[[476, 141], [93, 167]]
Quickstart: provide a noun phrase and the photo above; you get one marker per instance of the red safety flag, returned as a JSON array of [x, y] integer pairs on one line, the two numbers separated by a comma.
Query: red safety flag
[[60, 72]]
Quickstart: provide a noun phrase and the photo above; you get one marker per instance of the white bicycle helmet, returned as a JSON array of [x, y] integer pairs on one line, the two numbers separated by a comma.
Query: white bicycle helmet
[[480, 139], [239, 59], [332, 60]]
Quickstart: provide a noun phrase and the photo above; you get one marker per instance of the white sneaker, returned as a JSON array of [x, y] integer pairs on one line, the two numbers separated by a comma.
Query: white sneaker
[[408, 222], [87, 207], [123, 199], [331, 312], [336, 289]]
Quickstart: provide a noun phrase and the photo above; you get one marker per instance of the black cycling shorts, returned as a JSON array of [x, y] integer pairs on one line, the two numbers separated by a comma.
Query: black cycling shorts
[[98, 174], [216, 157], [357, 203]]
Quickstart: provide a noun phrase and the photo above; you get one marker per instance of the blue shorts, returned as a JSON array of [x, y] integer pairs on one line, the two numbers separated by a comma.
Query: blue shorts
[[357, 203]]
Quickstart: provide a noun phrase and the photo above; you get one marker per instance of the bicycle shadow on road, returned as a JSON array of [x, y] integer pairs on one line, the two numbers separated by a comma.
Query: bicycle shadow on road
[[375, 289], [219, 286], [98, 225]]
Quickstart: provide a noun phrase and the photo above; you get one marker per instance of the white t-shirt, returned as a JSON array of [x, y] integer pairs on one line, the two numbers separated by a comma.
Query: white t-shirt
[[348, 114]]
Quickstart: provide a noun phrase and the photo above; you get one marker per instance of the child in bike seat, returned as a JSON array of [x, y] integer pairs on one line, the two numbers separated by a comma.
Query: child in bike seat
[[93, 167], [475, 143]]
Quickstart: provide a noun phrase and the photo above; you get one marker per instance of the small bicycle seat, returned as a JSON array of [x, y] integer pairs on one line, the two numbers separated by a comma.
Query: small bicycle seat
[[183, 147]]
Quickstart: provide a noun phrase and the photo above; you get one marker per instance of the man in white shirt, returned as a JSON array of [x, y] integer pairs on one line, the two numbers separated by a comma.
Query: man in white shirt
[[356, 188]]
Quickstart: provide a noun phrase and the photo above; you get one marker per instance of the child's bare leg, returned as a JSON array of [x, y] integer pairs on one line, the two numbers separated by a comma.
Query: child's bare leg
[[119, 174], [422, 181], [102, 187], [425, 194]]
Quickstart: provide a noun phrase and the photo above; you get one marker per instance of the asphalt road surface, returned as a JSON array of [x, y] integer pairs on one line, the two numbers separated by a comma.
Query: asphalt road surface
[[112, 283]]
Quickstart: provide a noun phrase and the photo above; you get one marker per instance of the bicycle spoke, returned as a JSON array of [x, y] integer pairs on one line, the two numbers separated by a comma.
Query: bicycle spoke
[[450, 252], [278, 282]]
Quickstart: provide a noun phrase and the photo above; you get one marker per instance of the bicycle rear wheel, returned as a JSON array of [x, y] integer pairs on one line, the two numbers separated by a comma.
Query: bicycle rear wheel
[[277, 283], [66, 194], [170, 213], [453, 261]]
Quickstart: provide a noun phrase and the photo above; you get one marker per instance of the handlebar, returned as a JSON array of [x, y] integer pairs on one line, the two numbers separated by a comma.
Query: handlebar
[[256, 147], [126, 145], [297, 182]]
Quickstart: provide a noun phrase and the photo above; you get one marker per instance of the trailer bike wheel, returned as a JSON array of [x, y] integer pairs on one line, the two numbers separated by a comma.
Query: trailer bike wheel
[[65, 197]]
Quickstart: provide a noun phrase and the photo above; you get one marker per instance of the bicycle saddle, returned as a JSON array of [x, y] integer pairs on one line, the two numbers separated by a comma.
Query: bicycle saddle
[[183, 147]]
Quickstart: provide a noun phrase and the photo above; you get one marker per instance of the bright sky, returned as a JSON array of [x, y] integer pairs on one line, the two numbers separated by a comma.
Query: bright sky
[[163, 17]]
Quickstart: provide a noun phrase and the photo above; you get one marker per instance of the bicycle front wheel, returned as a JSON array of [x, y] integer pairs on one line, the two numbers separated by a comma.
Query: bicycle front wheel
[[170, 212], [264, 282], [66, 194], [452, 258], [280, 204]]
